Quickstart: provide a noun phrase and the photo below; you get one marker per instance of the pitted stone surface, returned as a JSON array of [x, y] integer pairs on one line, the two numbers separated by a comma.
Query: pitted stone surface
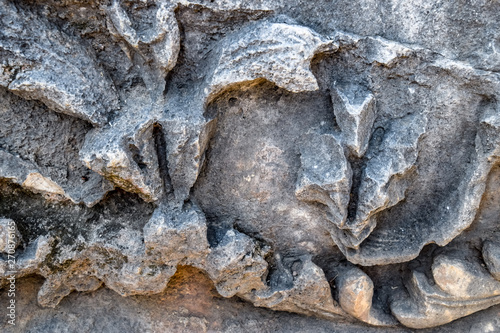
[[338, 160]]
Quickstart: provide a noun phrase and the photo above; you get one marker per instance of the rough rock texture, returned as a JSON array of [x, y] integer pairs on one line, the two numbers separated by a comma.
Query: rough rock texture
[[192, 165]]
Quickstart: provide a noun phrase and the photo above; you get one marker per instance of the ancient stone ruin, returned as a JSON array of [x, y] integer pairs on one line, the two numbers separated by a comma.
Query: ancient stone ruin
[[192, 165]]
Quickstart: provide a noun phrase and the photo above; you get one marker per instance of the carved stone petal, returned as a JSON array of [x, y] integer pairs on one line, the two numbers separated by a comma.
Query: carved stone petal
[[491, 255], [278, 52], [355, 290], [355, 113], [325, 175], [47, 65]]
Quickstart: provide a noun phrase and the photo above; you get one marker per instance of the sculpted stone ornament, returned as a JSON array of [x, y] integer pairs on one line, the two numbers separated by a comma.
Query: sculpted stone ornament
[[37, 64], [299, 171], [461, 287]]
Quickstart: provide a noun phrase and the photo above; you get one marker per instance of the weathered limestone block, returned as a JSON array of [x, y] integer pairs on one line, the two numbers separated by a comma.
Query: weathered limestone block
[[397, 154], [43, 63], [39, 151]]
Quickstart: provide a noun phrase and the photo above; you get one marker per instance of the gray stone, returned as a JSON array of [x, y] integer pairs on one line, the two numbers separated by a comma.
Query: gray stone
[[10, 238], [325, 176], [460, 288], [355, 114], [237, 265], [124, 153], [355, 290], [38, 63], [491, 255], [219, 155], [383, 180], [42, 157], [299, 286]]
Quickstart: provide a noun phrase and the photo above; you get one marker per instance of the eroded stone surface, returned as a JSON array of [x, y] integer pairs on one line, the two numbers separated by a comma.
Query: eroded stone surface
[[10, 237], [325, 176], [259, 143], [491, 255], [460, 288], [37, 63]]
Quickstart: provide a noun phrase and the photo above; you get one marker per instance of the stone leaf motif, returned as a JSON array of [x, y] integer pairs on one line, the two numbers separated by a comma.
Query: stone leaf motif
[[278, 52], [385, 245], [325, 175], [238, 266], [42, 63], [30, 177], [461, 287], [254, 53], [385, 167], [383, 178], [158, 46], [383, 181]]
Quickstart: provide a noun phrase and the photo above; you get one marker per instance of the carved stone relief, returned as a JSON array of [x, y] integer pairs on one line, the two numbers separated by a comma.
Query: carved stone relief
[[297, 168]]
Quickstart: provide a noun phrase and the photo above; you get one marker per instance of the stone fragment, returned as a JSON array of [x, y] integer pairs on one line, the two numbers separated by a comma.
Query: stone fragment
[[187, 135], [128, 261], [297, 286], [236, 265], [55, 288], [38, 183], [125, 153], [158, 46], [325, 176], [231, 5], [355, 290], [30, 177], [383, 180], [355, 113], [461, 288], [177, 233], [491, 256], [10, 238], [278, 52], [38, 62], [382, 51]]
